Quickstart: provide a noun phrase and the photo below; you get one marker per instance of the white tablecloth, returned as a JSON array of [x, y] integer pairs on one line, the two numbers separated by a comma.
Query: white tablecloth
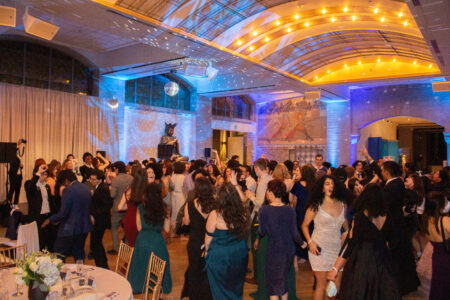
[[106, 282]]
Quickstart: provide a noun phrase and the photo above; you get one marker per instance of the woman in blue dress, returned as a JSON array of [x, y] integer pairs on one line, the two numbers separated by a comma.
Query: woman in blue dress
[[226, 249], [151, 216]]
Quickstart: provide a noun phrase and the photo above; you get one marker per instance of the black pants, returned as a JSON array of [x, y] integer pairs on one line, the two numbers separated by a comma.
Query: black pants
[[45, 234], [98, 251], [15, 183], [71, 245]]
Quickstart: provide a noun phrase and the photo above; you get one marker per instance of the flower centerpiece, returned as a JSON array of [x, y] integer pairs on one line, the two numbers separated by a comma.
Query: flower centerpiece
[[38, 271]]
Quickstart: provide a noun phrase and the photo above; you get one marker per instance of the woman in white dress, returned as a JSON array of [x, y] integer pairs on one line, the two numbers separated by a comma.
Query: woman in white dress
[[326, 208], [178, 197]]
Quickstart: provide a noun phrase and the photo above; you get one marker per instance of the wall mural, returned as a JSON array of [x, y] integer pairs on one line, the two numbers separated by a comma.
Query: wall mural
[[291, 122]]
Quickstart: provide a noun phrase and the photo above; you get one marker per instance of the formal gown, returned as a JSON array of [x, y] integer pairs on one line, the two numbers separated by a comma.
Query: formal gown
[[177, 199], [226, 265], [368, 272], [129, 223], [299, 191], [440, 278], [327, 235], [196, 286], [149, 240]]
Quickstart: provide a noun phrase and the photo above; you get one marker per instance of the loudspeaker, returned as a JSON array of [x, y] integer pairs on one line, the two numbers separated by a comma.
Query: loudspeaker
[[207, 152], [8, 152], [7, 16], [38, 27]]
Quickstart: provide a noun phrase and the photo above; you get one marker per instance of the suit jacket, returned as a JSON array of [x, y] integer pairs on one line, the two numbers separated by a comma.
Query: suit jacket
[[14, 167], [85, 172], [101, 205], [34, 198], [118, 186], [74, 215], [394, 192]]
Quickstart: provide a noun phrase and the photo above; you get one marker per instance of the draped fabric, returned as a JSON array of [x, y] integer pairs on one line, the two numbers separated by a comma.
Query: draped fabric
[[54, 124]]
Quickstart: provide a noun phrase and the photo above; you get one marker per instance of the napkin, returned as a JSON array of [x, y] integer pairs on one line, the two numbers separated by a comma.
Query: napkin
[[86, 296]]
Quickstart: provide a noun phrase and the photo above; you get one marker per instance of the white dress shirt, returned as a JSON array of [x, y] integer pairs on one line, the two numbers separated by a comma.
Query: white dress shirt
[[45, 207]]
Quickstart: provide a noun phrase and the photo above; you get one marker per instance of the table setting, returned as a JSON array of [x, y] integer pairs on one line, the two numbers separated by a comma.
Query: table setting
[[43, 276]]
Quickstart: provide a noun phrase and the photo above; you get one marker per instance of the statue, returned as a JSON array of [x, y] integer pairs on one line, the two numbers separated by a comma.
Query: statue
[[168, 145]]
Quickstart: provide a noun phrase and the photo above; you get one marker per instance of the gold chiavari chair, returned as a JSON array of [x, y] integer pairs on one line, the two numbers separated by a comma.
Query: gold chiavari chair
[[8, 256], [124, 259], [155, 274]]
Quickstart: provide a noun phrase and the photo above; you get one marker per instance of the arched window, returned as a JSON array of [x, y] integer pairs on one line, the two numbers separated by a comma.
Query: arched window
[[150, 91], [36, 65], [238, 107]]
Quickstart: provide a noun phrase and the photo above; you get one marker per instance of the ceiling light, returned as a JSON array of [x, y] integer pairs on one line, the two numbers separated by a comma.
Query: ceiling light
[[414, 62], [278, 23], [7, 16], [400, 14], [289, 29], [333, 19], [354, 18], [394, 60], [255, 33], [359, 62], [382, 19], [297, 17], [345, 66], [315, 77], [375, 10], [328, 71], [266, 39], [345, 9], [405, 23], [324, 11], [239, 42], [378, 60], [307, 24], [430, 66], [251, 48], [39, 27]]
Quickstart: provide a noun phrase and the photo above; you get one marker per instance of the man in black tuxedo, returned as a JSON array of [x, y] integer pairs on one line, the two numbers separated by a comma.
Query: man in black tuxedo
[[15, 177], [100, 215], [402, 256], [87, 168], [40, 205]]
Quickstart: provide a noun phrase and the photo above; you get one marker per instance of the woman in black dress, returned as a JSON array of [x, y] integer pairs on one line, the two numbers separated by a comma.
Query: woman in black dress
[[367, 273], [196, 286]]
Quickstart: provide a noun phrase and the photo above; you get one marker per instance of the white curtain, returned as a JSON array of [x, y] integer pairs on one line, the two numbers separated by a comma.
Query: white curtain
[[54, 124]]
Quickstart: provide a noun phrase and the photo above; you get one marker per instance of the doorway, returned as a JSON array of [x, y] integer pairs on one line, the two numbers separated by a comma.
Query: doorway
[[229, 143]]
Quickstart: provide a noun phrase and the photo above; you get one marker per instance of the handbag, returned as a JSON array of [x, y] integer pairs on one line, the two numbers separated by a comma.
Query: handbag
[[445, 241]]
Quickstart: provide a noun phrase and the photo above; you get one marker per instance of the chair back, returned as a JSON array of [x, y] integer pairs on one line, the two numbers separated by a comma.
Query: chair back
[[155, 274], [28, 234], [124, 259], [9, 255]]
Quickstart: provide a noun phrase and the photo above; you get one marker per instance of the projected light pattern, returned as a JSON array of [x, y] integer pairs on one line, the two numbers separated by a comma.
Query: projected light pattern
[[144, 128]]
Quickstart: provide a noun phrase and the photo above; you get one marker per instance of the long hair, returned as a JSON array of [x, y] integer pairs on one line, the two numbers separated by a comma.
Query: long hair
[[154, 207], [418, 184], [372, 200], [54, 164], [204, 192], [234, 213], [139, 187], [434, 202], [315, 197], [281, 172], [307, 175]]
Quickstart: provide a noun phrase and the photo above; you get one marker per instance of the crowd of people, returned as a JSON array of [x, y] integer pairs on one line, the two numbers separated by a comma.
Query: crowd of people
[[363, 227]]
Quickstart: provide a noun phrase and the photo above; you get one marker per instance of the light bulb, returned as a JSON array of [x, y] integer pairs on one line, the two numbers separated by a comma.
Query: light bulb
[[353, 18], [289, 29], [315, 77], [345, 66], [382, 19], [239, 42], [297, 17], [345, 9], [255, 33], [430, 66], [376, 10], [333, 19], [394, 60], [278, 23], [251, 48], [400, 14], [414, 62], [328, 71], [324, 11], [266, 39], [378, 60], [405, 23], [307, 24], [359, 62]]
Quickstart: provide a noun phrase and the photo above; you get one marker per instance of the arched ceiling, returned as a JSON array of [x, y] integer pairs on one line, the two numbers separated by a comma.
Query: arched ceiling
[[317, 41]]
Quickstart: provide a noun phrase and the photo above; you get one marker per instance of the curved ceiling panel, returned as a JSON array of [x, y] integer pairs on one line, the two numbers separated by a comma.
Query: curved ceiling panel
[[301, 38]]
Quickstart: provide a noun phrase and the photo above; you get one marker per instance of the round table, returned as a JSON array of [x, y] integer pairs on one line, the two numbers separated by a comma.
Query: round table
[[106, 282]]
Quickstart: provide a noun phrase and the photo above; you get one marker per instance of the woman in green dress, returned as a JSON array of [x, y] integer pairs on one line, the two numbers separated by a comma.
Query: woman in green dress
[[226, 250], [151, 216]]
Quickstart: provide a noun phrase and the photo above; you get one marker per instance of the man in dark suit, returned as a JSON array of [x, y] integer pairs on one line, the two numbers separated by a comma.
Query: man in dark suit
[[100, 215], [40, 204], [73, 217], [15, 178], [87, 168], [402, 256]]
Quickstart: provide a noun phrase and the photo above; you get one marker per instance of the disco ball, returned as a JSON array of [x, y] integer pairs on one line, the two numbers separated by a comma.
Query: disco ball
[[171, 88]]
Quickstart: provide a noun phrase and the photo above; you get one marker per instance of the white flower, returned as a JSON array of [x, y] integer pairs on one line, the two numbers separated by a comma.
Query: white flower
[[43, 259], [33, 266], [19, 280], [50, 273]]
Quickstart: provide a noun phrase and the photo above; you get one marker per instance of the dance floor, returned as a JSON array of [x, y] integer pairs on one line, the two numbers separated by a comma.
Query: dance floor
[[178, 265]]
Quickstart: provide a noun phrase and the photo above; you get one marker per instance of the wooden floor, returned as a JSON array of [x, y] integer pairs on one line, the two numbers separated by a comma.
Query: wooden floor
[[178, 265]]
